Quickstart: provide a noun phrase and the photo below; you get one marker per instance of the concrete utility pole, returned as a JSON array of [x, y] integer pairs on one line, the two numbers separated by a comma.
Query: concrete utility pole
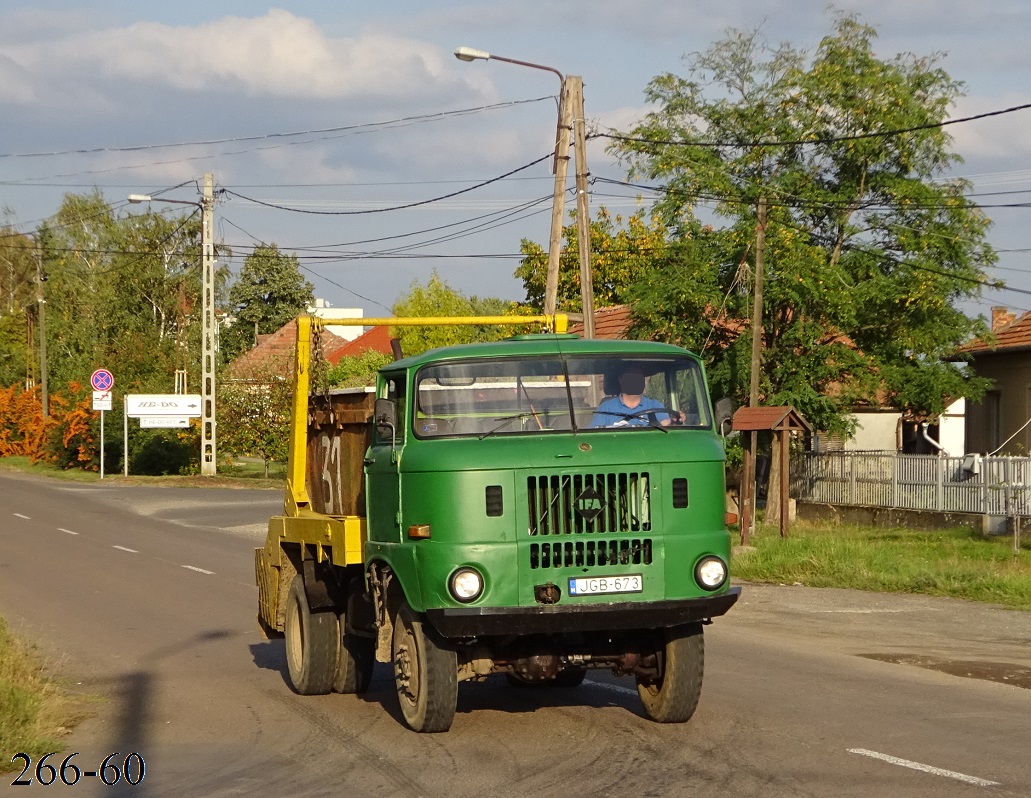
[[208, 450], [41, 304], [583, 214], [558, 206]]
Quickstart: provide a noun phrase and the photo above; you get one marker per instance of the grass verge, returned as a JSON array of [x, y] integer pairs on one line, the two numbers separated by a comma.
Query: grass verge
[[949, 562], [35, 709], [240, 474]]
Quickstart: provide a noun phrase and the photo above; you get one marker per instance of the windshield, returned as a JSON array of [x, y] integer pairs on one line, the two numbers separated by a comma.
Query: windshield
[[510, 396]]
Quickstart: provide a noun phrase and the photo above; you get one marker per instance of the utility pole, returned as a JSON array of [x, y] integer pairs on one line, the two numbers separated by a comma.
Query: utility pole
[[583, 215], [207, 236], [748, 466], [560, 168], [41, 304]]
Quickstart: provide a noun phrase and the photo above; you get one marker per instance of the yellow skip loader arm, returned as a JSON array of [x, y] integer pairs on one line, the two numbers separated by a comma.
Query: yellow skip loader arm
[[302, 534]]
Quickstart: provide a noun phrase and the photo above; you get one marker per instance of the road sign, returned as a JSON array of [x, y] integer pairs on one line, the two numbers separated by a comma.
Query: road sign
[[102, 380], [153, 422], [179, 405], [102, 400]]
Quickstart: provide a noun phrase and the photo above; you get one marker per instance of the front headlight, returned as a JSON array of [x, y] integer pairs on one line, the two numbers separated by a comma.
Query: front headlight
[[466, 585], [710, 573]]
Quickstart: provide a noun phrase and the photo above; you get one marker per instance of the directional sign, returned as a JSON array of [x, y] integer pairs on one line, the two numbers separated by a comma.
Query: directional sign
[[179, 405], [102, 400], [154, 422], [102, 380]]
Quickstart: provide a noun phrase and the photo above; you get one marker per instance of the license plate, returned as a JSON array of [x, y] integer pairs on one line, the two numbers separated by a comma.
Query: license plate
[[600, 585]]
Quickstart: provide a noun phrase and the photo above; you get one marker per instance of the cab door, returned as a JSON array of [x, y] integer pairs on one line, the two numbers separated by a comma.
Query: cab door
[[382, 460]]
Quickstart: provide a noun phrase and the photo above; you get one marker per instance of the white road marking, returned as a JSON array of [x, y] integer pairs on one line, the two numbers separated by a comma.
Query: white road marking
[[950, 774], [19, 515], [122, 548], [68, 531], [199, 570]]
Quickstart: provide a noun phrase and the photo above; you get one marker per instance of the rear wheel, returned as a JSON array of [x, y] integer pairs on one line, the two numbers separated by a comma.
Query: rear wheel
[[357, 658], [311, 643], [673, 697], [426, 674]]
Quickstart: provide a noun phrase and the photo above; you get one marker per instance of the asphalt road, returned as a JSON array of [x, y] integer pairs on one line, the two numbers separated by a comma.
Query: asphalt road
[[145, 597]]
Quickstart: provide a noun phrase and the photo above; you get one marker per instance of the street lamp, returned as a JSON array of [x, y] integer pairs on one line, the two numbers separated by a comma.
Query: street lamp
[[571, 94], [207, 235]]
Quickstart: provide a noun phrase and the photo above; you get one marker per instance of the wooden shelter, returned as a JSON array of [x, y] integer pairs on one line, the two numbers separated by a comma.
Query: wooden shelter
[[782, 421]]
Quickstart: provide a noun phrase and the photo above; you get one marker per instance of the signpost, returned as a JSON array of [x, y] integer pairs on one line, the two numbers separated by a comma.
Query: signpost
[[161, 411], [103, 381]]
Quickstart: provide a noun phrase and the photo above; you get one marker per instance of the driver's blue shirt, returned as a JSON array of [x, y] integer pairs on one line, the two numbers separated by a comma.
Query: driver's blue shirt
[[613, 411]]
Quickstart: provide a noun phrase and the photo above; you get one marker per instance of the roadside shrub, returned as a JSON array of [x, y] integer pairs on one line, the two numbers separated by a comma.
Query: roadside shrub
[[162, 451]]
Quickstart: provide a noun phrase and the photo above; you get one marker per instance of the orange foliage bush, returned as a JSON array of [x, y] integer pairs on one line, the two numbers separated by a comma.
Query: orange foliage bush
[[23, 430], [65, 437]]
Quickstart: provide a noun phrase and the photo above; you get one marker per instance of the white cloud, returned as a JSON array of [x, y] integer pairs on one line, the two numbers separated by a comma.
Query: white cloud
[[275, 55]]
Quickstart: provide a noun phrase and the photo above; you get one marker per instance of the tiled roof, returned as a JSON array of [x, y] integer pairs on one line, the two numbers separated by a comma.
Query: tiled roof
[[376, 339], [614, 322], [1015, 334], [275, 352]]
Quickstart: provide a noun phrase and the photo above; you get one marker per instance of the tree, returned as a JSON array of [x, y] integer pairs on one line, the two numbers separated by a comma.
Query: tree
[[358, 370], [868, 247], [121, 292], [268, 292], [260, 408], [437, 298], [621, 249]]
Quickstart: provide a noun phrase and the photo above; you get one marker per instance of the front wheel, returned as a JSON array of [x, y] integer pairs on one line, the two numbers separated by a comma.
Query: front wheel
[[673, 697], [425, 672], [311, 643]]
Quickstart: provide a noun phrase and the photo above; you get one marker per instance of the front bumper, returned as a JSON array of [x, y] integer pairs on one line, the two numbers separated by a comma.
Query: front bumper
[[561, 618]]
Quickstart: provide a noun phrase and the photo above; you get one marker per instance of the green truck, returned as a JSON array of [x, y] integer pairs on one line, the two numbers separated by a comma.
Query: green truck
[[475, 514]]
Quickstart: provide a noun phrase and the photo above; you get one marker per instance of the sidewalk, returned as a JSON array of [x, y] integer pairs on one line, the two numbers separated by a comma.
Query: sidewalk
[[963, 638]]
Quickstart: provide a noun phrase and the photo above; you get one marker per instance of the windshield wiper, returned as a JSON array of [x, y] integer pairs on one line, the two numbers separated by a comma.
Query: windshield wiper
[[507, 420]]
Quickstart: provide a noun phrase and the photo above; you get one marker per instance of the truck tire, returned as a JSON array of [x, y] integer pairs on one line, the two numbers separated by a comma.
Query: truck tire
[[357, 658], [311, 643], [673, 697], [425, 672]]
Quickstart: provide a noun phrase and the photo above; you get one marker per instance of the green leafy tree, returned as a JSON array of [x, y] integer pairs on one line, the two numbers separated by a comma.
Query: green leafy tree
[[260, 409], [359, 370], [268, 292], [437, 298], [868, 247], [621, 250], [121, 292]]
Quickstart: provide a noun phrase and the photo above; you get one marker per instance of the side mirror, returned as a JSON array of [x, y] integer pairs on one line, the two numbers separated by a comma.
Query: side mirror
[[384, 416], [724, 413]]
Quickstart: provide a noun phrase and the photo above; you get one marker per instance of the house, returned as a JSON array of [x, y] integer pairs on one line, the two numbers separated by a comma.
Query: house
[[274, 353], [999, 423]]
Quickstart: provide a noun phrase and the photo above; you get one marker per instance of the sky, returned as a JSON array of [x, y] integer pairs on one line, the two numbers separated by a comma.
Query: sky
[[320, 120]]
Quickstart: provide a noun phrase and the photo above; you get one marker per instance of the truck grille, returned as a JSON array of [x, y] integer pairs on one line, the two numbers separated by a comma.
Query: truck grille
[[587, 553], [572, 504]]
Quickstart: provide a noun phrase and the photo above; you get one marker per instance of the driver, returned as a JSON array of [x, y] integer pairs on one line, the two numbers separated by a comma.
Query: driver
[[628, 407]]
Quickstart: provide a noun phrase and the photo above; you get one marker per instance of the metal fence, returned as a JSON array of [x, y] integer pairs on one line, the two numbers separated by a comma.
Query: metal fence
[[998, 486]]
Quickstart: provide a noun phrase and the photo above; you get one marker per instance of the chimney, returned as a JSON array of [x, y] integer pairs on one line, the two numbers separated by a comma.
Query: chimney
[[1001, 316]]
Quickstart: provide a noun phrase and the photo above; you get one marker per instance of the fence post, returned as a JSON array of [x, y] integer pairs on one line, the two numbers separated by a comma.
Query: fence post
[[896, 464], [939, 488]]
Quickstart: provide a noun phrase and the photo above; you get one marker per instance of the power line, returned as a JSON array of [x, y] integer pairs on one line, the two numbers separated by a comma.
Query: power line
[[407, 120], [801, 142], [394, 207]]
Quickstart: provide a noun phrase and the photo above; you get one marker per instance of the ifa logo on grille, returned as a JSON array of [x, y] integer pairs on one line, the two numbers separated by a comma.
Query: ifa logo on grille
[[589, 504]]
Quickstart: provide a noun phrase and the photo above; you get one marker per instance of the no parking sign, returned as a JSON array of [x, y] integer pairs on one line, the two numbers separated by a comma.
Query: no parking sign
[[102, 380]]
